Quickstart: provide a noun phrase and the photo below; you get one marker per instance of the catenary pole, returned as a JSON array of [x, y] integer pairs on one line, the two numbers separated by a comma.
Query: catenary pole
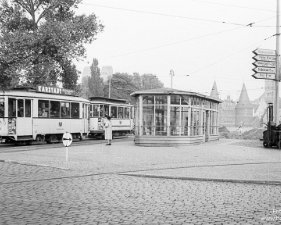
[[276, 108]]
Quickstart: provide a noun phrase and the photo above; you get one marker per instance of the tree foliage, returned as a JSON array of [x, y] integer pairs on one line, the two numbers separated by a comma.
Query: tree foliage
[[123, 84], [95, 81], [40, 38]]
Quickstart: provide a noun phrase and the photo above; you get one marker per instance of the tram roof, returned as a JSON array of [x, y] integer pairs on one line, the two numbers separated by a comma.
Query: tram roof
[[31, 92], [171, 91], [109, 100]]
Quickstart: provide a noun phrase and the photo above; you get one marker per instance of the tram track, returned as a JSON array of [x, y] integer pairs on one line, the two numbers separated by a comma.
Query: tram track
[[9, 148]]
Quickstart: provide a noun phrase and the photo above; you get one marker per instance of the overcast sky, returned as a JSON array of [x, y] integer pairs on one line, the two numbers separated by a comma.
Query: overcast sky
[[209, 40]]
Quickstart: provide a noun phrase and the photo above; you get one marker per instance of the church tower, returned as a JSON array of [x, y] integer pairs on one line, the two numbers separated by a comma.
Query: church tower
[[244, 109], [214, 91]]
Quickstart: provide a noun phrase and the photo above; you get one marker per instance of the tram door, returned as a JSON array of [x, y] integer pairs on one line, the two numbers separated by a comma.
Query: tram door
[[86, 118], [24, 117]]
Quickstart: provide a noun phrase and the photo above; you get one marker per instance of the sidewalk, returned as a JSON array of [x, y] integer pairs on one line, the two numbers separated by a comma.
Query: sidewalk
[[225, 160]]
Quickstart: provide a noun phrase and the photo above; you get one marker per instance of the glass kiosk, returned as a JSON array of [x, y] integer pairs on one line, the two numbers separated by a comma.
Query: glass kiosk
[[166, 117]]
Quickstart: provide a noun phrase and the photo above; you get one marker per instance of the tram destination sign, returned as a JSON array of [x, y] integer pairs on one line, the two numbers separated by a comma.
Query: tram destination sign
[[265, 64], [55, 90]]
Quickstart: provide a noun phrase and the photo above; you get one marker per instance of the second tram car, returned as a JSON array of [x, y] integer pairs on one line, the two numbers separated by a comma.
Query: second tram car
[[42, 114], [121, 116]]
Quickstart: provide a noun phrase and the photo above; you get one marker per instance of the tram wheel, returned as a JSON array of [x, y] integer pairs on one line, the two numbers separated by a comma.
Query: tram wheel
[[40, 138], [51, 139]]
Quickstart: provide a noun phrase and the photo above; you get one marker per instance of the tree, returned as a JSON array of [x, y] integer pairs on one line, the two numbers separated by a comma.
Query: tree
[[40, 38], [95, 81], [150, 81], [122, 86]]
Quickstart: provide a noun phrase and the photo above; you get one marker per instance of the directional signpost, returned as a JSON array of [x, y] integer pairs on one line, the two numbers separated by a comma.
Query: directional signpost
[[66, 140], [265, 64]]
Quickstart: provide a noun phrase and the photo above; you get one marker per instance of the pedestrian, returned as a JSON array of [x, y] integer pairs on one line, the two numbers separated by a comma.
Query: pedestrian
[[107, 129]]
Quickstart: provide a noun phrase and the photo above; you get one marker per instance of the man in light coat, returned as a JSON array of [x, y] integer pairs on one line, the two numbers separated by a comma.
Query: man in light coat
[[107, 129]]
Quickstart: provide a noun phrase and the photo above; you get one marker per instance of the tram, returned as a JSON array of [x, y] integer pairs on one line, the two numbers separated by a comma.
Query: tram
[[42, 114], [121, 113]]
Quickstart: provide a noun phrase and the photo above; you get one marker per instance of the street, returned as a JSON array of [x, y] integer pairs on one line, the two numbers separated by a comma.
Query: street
[[126, 184]]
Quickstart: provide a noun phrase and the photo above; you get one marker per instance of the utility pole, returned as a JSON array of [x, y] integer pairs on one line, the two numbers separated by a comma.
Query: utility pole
[[276, 108], [172, 74]]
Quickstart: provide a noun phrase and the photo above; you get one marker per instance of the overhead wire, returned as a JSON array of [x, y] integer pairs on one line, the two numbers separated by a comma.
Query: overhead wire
[[230, 55], [251, 24], [165, 14], [174, 43]]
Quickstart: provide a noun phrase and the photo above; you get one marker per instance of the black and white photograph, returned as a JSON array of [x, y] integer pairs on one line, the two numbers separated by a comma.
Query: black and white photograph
[[140, 112]]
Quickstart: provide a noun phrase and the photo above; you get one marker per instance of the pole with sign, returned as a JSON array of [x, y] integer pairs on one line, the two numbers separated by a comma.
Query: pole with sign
[[267, 66], [66, 140], [276, 100]]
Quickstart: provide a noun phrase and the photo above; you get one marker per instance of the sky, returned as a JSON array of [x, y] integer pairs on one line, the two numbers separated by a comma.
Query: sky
[[208, 40]]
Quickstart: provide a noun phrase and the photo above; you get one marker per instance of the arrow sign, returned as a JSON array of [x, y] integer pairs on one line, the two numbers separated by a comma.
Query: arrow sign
[[67, 139], [265, 64], [264, 70], [260, 51], [268, 76], [267, 58]]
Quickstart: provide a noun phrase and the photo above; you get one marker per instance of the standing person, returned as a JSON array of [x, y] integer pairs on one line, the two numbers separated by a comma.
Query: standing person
[[107, 129]]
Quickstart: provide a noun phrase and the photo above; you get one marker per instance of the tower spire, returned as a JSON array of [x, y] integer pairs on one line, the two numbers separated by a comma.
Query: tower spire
[[214, 91]]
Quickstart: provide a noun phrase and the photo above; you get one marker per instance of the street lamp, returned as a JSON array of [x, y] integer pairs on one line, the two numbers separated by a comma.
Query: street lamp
[[172, 74]]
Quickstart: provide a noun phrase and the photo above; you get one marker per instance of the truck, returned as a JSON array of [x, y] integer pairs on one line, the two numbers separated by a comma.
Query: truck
[[272, 135]]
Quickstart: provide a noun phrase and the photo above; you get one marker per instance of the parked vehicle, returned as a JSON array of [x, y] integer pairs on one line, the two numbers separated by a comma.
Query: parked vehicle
[[272, 135]]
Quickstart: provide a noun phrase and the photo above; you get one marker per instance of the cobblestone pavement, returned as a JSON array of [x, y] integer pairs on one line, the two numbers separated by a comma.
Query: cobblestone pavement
[[97, 188], [121, 199]]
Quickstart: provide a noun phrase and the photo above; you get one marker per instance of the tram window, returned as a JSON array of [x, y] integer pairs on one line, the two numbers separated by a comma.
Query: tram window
[[65, 109], [113, 111], [96, 110], [74, 110], [83, 110], [43, 108], [91, 110], [120, 112], [12, 107], [54, 109], [102, 111], [106, 109], [20, 108], [27, 108], [127, 113], [2, 108]]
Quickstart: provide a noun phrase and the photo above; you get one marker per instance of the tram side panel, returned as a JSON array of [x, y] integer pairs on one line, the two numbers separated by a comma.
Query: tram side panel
[[59, 126], [121, 125], [77, 125]]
